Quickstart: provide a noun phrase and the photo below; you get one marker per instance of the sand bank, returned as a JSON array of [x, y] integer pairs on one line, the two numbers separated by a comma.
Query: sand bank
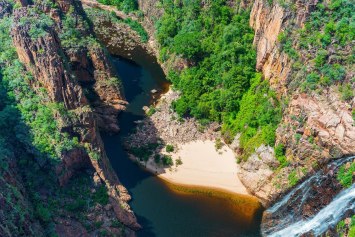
[[202, 165]]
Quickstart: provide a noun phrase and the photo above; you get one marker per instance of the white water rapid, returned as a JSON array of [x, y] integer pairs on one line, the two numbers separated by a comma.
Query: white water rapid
[[289, 207], [327, 217]]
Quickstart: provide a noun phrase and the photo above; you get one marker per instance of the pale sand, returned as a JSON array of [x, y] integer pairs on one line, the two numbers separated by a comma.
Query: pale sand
[[202, 166]]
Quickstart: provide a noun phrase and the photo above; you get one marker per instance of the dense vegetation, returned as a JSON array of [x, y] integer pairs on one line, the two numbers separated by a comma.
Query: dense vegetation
[[111, 18], [324, 41], [44, 131], [124, 5], [31, 141], [346, 228], [346, 174], [257, 119], [221, 83], [219, 45]]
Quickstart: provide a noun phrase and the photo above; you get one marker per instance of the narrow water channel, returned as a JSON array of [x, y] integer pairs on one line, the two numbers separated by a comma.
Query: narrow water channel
[[162, 210]]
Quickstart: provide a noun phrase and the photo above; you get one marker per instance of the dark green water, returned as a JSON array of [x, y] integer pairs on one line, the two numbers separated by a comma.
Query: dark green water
[[159, 209]]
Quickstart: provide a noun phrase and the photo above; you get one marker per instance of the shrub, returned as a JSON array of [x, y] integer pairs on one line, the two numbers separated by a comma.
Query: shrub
[[335, 72], [298, 137], [144, 152], [76, 205], [151, 111], [167, 160], [169, 148], [101, 196], [345, 175], [347, 92], [218, 144], [352, 227], [280, 154], [178, 162], [293, 178], [43, 213]]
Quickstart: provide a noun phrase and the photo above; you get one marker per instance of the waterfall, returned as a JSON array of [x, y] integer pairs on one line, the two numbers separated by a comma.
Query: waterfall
[[287, 217], [327, 217], [304, 187]]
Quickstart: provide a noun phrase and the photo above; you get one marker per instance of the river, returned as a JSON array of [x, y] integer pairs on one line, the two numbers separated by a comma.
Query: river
[[162, 209]]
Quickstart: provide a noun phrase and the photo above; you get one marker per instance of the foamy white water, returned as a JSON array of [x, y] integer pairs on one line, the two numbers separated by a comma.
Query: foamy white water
[[323, 220], [329, 216]]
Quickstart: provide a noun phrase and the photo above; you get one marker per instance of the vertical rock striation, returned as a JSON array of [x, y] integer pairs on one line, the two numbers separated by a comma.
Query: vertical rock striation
[[316, 126], [63, 72]]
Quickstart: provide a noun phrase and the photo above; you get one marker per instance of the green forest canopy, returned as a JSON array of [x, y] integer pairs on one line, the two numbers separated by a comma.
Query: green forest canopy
[[222, 85]]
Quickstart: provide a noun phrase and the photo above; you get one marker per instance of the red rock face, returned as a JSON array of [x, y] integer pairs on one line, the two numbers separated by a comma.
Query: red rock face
[[315, 126], [268, 21], [72, 161], [327, 120], [61, 71], [41, 57]]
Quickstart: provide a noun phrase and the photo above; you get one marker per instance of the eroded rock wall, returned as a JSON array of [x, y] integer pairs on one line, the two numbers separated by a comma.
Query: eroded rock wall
[[60, 70], [316, 126]]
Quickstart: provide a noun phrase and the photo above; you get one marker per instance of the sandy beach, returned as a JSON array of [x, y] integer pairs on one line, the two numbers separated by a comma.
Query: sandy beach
[[202, 165]]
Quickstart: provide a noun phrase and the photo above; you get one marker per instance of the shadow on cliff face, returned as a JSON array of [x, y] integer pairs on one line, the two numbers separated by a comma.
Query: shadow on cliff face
[[138, 80], [30, 177], [137, 83]]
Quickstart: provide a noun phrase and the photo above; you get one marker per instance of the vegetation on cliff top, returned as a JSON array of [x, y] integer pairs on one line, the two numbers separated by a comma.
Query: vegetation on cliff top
[[325, 41], [221, 83], [124, 5], [31, 141], [38, 115], [111, 18]]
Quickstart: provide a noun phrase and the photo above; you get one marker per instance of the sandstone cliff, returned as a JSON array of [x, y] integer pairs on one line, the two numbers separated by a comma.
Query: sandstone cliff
[[316, 125], [66, 74]]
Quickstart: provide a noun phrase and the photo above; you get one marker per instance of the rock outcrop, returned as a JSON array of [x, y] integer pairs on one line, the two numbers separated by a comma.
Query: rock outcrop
[[315, 126], [63, 72], [269, 21], [152, 12]]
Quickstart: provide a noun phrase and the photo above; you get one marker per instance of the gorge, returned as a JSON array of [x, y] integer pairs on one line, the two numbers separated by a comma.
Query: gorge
[[84, 107]]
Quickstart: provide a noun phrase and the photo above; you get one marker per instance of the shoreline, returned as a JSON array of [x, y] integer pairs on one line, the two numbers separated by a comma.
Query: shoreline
[[198, 156], [221, 178], [187, 189], [203, 167]]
